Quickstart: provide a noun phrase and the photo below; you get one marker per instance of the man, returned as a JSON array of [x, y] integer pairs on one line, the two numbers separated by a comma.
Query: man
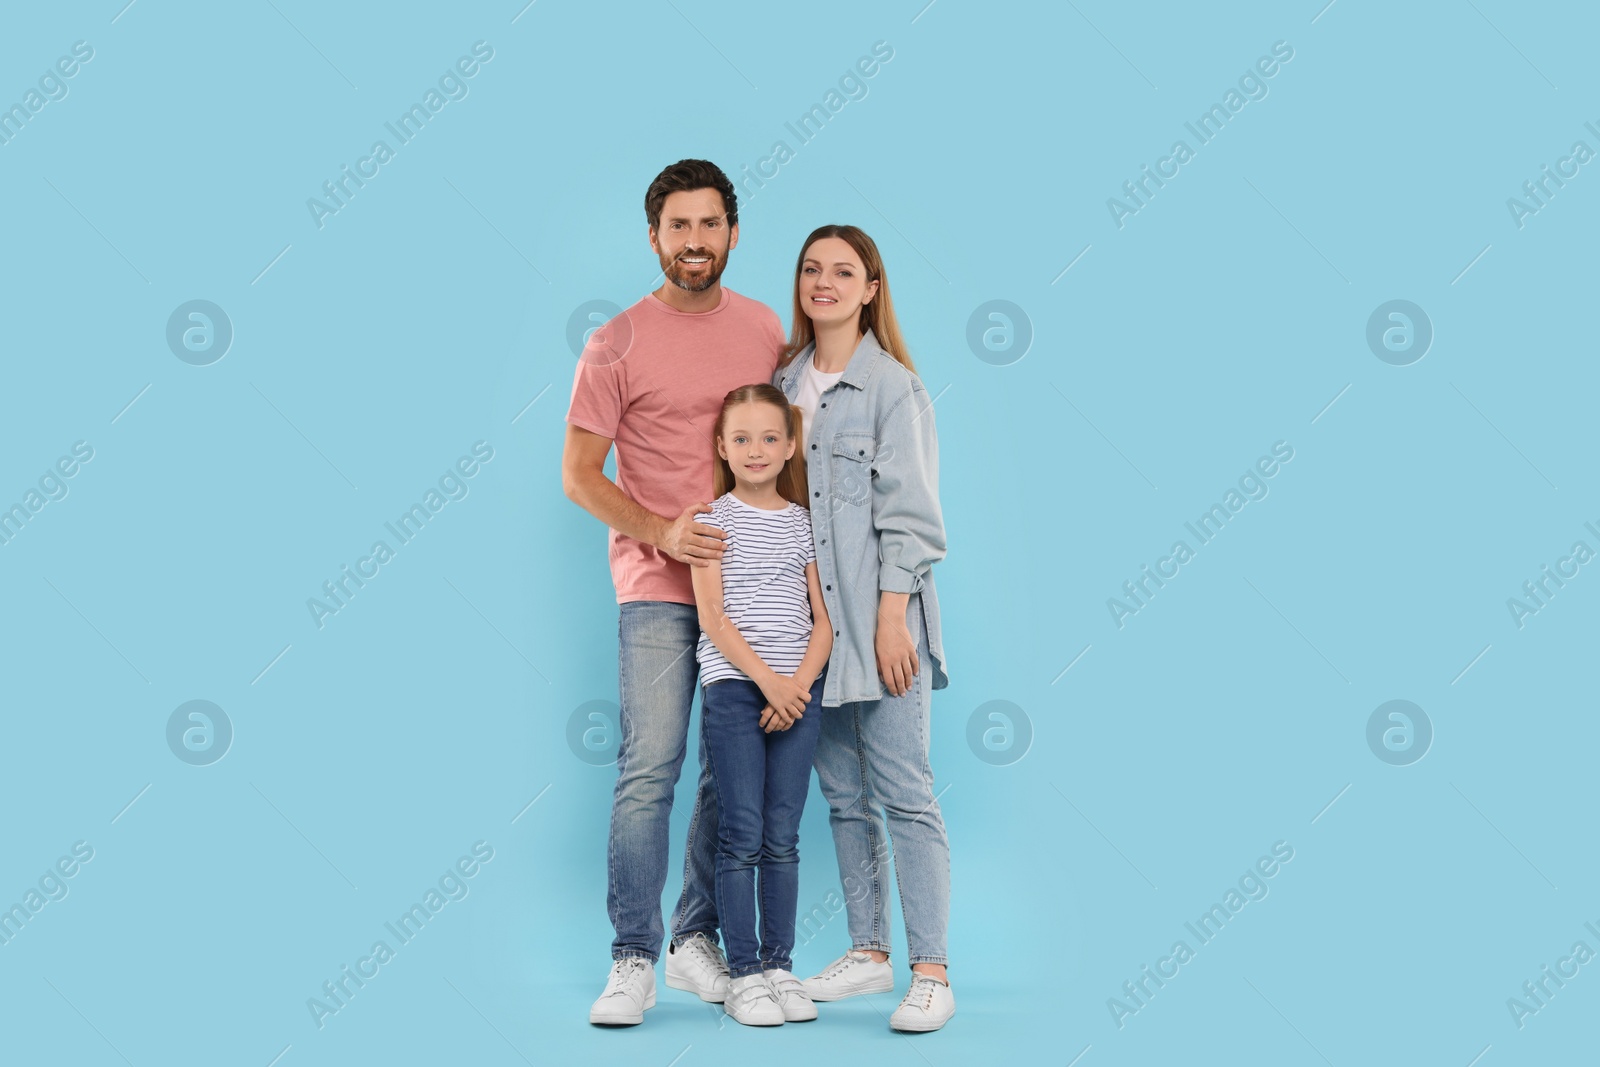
[[651, 381]]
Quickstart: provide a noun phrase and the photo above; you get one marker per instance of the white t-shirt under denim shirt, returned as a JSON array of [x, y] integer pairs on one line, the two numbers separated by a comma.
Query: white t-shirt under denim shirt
[[764, 590], [813, 383]]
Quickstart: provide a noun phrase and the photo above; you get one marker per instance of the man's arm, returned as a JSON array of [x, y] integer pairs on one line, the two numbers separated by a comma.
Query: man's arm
[[583, 479]]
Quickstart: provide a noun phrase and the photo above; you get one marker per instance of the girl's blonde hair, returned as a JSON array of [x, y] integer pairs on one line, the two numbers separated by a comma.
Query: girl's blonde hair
[[792, 479], [877, 316]]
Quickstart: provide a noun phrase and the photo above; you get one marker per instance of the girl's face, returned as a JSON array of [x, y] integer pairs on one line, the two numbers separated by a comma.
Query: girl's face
[[833, 285], [756, 443]]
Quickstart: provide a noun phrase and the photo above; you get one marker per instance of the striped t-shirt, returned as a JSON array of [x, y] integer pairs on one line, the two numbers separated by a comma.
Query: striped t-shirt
[[764, 587]]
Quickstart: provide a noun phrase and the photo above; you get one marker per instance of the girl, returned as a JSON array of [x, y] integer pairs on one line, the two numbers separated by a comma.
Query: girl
[[762, 666], [873, 462]]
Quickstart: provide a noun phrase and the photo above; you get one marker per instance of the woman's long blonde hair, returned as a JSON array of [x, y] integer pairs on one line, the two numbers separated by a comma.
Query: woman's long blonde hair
[[877, 316], [792, 485]]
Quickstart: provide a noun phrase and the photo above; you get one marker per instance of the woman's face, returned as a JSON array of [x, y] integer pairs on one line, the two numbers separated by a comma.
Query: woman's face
[[833, 285]]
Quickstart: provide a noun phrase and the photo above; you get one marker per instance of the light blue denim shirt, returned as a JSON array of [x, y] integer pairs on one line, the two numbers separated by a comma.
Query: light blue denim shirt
[[872, 459]]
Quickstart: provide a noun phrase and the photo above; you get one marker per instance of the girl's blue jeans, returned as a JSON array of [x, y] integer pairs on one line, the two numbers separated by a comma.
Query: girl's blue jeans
[[761, 781]]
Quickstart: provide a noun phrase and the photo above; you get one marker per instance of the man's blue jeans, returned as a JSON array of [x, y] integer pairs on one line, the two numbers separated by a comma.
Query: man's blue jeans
[[657, 671], [761, 783]]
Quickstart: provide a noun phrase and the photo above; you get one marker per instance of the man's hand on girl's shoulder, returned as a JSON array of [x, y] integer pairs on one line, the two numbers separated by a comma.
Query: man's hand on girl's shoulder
[[691, 542]]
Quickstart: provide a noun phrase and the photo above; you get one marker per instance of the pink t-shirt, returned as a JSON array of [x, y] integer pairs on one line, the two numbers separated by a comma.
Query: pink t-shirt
[[652, 380]]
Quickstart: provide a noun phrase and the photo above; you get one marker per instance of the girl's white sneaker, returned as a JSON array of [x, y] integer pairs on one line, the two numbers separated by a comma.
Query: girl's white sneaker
[[851, 975], [790, 995], [750, 1002], [928, 1005]]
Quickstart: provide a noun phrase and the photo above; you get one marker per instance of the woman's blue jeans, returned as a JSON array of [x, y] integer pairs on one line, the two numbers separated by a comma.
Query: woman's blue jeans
[[872, 765]]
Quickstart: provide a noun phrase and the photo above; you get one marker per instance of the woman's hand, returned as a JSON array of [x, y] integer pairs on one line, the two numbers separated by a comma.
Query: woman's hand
[[896, 652]]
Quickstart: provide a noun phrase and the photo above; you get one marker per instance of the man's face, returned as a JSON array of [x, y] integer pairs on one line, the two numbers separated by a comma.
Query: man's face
[[694, 239]]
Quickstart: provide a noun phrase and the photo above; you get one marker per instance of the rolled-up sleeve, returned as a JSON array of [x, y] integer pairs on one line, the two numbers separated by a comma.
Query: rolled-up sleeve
[[905, 495]]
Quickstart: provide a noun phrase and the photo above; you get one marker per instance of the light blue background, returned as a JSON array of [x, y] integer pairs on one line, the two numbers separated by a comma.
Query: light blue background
[[1228, 314]]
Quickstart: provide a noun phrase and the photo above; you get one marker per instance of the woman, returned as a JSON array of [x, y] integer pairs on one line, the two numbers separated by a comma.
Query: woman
[[872, 462]]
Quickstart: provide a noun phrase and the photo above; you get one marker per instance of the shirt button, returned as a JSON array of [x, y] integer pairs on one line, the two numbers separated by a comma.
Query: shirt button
[[813, 448], [836, 633], [816, 494], [830, 587]]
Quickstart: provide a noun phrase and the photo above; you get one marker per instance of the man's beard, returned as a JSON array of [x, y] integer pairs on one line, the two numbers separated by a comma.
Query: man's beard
[[675, 273]]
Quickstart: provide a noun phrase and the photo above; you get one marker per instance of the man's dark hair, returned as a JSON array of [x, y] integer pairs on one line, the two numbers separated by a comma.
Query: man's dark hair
[[684, 176]]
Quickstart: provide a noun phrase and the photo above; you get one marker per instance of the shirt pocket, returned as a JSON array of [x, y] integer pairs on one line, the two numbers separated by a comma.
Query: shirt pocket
[[851, 488]]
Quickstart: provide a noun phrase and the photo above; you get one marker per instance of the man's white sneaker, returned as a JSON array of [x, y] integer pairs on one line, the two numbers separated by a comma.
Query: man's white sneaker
[[750, 1002], [928, 1005], [851, 975], [790, 995], [697, 966], [629, 991]]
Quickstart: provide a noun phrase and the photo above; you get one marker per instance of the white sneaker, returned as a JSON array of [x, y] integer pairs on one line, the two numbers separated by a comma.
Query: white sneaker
[[629, 991], [790, 995], [928, 1005], [698, 967], [851, 975], [750, 1002]]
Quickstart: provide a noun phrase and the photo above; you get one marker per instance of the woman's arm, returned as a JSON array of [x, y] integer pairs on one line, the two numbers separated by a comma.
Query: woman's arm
[[910, 525], [905, 494]]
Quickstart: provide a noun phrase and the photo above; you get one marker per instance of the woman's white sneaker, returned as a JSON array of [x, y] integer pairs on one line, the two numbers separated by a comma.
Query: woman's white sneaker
[[928, 1005], [851, 975], [790, 995], [750, 1002], [697, 966], [629, 991]]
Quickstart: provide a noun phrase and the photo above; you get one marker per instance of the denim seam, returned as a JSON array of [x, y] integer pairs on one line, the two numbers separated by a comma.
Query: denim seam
[[875, 872], [921, 695], [925, 701], [927, 778], [716, 798], [677, 934], [614, 898], [924, 697]]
